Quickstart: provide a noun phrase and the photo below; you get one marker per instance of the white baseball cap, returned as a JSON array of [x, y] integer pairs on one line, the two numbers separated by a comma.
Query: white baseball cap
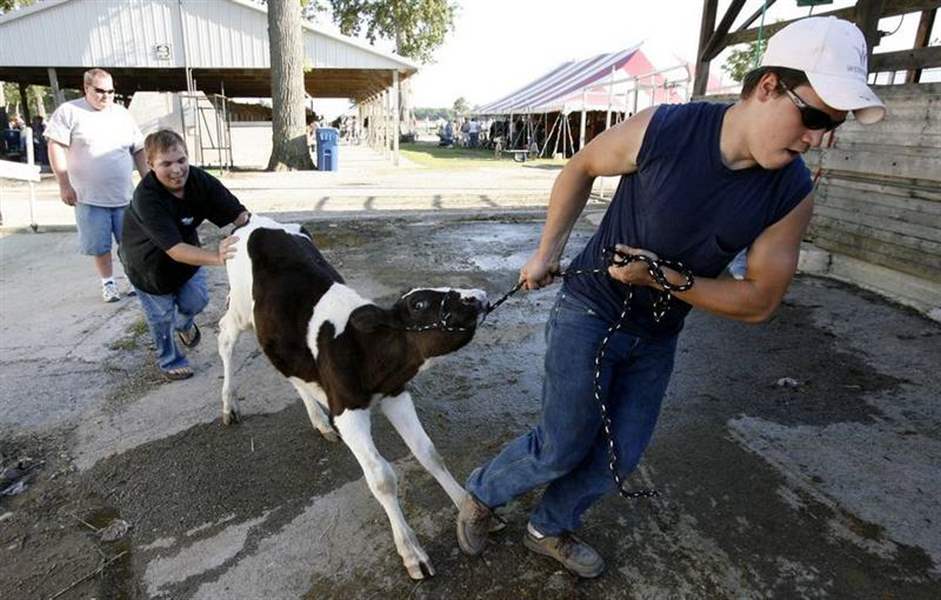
[[832, 52]]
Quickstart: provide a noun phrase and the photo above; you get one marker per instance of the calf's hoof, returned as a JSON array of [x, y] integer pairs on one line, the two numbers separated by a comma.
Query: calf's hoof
[[229, 418], [421, 570], [330, 435]]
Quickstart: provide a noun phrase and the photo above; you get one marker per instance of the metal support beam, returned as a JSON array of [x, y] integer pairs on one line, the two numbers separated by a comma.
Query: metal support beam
[[707, 26]]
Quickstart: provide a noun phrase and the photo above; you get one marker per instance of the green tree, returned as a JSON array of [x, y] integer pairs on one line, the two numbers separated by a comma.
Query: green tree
[[460, 106], [742, 60], [8, 5], [418, 27]]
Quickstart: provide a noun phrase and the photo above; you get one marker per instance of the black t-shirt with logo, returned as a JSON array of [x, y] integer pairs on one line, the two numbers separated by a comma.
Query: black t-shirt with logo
[[156, 220]]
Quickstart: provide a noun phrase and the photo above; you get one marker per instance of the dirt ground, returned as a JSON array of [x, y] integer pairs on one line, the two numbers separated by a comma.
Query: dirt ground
[[824, 490]]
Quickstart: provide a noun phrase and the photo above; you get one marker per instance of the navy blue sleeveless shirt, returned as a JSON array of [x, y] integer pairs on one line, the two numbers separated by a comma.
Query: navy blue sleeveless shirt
[[683, 204]]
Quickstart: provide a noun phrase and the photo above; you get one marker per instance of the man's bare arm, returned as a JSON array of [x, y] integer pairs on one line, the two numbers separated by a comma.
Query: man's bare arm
[[196, 256], [613, 152], [59, 162], [772, 261]]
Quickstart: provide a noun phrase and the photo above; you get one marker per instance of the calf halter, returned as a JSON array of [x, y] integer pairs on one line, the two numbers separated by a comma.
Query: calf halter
[[440, 325], [661, 304]]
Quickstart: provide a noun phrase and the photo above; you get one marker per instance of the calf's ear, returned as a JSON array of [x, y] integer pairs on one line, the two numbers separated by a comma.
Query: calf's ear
[[370, 318]]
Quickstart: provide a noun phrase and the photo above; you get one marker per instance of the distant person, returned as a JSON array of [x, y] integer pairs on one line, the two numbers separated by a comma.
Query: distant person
[[473, 132], [446, 135], [19, 125], [699, 183], [93, 145], [39, 148], [161, 251]]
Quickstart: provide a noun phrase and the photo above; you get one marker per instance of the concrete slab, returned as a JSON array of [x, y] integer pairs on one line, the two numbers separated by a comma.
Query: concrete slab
[[825, 490]]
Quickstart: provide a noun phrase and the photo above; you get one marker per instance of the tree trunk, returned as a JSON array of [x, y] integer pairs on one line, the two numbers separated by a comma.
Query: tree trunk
[[286, 40], [38, 97]]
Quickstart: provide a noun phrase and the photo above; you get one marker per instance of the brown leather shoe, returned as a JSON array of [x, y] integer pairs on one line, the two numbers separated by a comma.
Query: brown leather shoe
[[574, 554], [474, 522]]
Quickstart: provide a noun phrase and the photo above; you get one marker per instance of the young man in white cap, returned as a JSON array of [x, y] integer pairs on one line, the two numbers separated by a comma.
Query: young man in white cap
[[700, 182]]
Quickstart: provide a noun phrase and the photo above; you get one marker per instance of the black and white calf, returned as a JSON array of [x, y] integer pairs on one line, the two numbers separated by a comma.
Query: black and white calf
[[344, 354]]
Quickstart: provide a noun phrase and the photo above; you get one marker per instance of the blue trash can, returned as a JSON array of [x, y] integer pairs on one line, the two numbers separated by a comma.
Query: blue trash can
[[328, 139]]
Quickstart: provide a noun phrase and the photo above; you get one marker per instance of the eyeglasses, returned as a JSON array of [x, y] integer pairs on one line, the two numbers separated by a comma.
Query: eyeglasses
[[811, 117], [102, 92]]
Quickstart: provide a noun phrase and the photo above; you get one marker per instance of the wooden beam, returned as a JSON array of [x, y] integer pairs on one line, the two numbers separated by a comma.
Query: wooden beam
[[706, 28], [867, 19], [914, 59], [891, 8], [754, 16], [922, 36], [716, 41]]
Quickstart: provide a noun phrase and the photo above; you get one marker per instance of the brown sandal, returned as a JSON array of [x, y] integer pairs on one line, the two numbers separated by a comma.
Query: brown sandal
[[190, 339], [178, 373]]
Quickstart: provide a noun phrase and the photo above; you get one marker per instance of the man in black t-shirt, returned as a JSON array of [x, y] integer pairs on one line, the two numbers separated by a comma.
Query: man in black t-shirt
[[161, 251]]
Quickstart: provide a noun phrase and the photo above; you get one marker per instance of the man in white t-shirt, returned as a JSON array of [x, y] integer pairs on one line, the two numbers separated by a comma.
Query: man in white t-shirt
[[93, 146], [473, 130]]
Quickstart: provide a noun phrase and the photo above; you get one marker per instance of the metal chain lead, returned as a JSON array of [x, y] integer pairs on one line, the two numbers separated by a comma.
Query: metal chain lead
[[661, 305]]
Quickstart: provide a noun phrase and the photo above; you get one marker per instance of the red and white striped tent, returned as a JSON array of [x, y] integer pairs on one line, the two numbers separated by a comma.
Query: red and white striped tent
[[594, 84]]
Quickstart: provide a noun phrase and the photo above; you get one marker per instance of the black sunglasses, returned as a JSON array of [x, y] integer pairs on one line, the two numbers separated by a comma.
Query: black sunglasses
[[811, 117], [101, 91]]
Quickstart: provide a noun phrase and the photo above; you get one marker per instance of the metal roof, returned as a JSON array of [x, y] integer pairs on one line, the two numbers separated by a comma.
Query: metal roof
[[562, 87], [147, 44]]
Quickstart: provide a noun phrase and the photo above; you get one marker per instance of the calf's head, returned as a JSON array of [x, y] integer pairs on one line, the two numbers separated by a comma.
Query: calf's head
[[444, 319]]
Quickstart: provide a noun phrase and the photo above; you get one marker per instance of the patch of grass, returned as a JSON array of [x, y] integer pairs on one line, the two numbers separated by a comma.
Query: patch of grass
[[130, 341], [138, 327], [429, 154]]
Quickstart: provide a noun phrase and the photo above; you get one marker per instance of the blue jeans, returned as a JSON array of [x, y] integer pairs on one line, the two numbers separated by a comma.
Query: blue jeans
[[567, 449], [96, 225], [168, 313], [739, 264]]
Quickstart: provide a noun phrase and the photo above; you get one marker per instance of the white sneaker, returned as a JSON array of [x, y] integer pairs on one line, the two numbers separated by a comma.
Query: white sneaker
[[109, 292]]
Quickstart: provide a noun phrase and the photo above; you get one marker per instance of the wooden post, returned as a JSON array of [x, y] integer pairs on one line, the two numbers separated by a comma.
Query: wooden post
[[921, 41], [705, 32], [867, 19], [396, 117], [717, 40]]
